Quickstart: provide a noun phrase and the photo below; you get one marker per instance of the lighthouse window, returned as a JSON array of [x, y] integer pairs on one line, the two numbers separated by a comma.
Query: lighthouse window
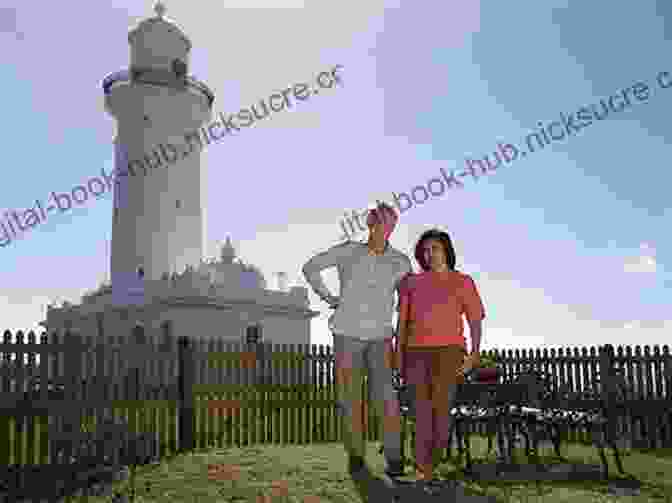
[[253, 334], [100, 325]]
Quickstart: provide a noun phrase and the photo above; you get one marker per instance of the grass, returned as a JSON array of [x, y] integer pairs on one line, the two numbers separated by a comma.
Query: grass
[[266, 473], [318, 473]]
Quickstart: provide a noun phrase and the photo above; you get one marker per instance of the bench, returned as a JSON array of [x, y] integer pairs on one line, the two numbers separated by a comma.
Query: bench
[[529, 405]]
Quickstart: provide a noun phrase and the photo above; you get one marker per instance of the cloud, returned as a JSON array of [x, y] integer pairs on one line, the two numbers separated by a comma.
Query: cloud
[[23, 308], [522, 317], [648, 325], [644, 263]]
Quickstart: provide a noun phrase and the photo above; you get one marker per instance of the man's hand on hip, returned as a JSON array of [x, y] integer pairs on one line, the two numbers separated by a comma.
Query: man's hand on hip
[[332, 300]]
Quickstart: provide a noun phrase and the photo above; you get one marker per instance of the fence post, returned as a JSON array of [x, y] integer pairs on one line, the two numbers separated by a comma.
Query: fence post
[[186, 399], [667, 376], [609, 387], [71, 347], [138, 334]]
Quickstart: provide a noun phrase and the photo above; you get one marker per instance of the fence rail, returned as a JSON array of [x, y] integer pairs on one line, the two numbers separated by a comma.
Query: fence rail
[[197, 393]]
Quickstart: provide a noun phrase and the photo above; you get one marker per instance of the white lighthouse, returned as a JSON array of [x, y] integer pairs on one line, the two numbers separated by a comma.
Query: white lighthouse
[[157, 218], [160, 279]]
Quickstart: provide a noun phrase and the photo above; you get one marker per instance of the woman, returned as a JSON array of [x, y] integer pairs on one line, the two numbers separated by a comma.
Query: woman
[[431, 343]]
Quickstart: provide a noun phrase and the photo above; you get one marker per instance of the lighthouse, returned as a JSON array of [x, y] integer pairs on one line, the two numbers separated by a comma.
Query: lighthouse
[[161, 285], [157, 220]]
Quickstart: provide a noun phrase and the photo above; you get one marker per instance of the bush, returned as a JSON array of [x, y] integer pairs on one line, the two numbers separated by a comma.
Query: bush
[[487, 362]]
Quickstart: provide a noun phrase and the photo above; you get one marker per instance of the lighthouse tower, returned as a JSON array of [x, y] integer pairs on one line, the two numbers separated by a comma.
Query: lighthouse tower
[[157, 224], [161, 283]]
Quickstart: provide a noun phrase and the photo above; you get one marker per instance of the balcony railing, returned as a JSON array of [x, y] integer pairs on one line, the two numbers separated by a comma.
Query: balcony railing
[[155, 77]]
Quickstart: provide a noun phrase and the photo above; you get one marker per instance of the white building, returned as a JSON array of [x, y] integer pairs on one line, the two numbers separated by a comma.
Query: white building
[[159, 278]]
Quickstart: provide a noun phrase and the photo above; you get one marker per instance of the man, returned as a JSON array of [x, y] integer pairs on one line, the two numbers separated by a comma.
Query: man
[[369, 274]]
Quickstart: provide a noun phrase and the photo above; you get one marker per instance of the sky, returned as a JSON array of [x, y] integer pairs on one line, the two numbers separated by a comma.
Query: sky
[[569, 245]]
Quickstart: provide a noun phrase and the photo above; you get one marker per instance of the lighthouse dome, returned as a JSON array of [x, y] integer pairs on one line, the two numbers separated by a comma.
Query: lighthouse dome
[[159, 44]]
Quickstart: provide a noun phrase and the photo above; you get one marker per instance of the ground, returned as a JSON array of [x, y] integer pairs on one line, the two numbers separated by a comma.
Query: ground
[[318, 473]]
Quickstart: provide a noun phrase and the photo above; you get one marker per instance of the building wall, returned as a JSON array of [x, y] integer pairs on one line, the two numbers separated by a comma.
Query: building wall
[[198, 322], [231, 326], [282, 330], [201, 322], [205, 323]]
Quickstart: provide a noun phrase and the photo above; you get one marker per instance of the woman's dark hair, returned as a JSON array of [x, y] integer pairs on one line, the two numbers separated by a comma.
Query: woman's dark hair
[[441, 237]]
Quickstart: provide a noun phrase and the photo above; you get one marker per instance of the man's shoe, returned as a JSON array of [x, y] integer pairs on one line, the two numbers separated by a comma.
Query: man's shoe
[[355, 463], [431, 487], [395, 469]]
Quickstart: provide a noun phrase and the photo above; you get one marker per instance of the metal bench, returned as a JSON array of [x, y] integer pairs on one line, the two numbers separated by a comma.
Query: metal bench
[[501, 408], [527, 405]]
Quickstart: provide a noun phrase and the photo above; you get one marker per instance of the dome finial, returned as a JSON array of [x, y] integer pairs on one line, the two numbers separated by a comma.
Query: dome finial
[[160, 9], [227, 252]]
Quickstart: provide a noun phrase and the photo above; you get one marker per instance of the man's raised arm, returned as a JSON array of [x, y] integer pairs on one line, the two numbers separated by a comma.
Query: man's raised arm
[[313, 268]]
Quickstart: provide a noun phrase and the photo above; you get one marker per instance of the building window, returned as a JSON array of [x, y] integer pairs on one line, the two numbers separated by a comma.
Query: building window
[[253, 334], [100, 325], [116, 213], [179, 68], [167, 329], [141, 272], [178, 204], [166, 334]]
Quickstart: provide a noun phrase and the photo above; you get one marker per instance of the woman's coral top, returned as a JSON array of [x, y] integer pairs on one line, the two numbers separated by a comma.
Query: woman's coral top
[[433, 303]]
